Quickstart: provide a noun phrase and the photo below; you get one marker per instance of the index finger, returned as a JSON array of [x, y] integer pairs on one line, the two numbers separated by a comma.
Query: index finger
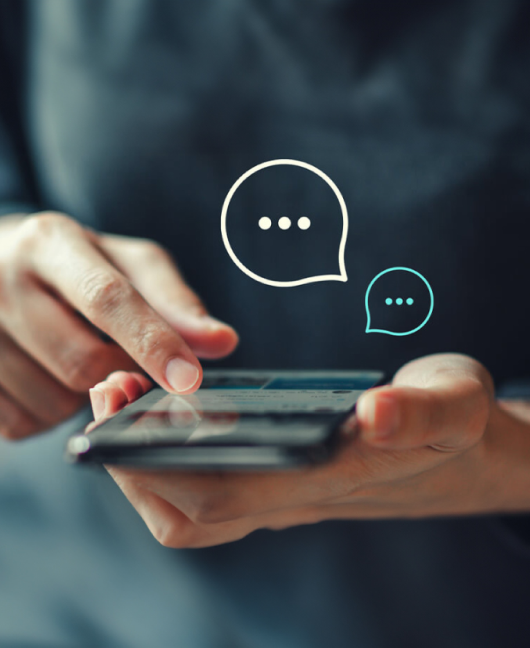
[[73, 267]]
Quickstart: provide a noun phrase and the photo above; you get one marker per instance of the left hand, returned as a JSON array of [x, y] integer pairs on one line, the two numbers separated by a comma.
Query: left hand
[[434, 442]]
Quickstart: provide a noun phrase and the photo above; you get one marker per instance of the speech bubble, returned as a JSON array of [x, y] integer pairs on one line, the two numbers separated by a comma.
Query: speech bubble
[[302, 224], [401, 298]]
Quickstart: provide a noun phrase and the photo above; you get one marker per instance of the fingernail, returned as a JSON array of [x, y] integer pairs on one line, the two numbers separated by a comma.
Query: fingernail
[[181, 374], [379, 416], [97, 400]]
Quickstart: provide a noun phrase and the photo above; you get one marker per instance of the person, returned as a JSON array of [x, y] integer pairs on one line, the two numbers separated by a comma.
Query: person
[[123, 125]]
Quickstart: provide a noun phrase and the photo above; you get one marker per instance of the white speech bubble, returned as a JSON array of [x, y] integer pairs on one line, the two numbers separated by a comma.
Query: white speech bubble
[[342, 276]]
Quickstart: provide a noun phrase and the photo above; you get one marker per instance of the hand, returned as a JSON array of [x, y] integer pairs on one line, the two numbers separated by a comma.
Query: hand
[[432, 443], [61, 286]]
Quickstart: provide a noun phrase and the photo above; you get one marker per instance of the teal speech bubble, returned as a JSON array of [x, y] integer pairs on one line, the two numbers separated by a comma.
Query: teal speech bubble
[[398, 301]]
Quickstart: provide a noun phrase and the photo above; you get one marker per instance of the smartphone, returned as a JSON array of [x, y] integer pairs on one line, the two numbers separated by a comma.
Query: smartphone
[[258, 420]]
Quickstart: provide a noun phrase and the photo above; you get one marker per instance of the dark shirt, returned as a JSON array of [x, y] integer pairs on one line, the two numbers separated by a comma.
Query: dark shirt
[[137, 117]]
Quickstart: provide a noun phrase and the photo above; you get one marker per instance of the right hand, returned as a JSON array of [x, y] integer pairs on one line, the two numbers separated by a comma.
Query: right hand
[[59, 284]]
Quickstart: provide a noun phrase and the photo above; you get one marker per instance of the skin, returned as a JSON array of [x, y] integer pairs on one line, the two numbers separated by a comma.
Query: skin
[[62, 287], [434, 442]]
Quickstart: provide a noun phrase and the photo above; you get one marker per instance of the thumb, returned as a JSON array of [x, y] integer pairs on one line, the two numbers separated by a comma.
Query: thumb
[[155, 275], [441, 401]]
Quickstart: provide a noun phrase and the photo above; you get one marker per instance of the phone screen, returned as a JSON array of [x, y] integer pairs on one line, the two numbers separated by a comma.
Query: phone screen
[[240, 407]]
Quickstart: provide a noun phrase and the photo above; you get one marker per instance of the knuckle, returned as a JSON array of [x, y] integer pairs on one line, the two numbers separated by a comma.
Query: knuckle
[[16, 274], [152, 341], [41, 225], [103, 292], [149, 339]]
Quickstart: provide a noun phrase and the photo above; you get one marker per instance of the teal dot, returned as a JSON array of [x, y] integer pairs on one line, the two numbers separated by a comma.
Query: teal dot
[[388, 301], [410, 301], [399, 301]]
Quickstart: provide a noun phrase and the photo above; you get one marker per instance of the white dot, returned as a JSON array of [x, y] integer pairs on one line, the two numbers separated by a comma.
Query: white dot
[[284, 223], [304, 223], [265, 223]]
